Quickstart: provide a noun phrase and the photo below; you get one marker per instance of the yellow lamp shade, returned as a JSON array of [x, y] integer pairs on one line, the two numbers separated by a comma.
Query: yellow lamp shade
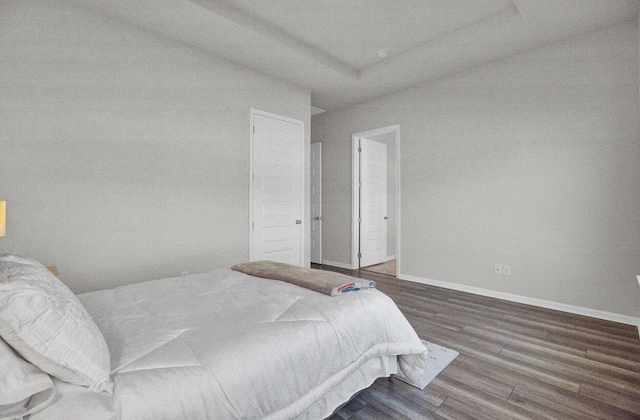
[[3, 218]]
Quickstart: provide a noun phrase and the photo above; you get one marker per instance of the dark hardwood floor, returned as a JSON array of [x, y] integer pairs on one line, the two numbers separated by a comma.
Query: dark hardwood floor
[[516, 361]]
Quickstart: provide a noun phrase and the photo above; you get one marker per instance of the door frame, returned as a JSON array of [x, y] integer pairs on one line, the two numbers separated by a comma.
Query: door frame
[[319, 146], [253, 112], [355, 189]]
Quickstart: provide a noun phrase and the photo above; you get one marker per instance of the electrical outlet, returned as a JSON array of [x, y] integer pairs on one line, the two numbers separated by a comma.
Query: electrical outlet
[[506, 270], [498, 269]]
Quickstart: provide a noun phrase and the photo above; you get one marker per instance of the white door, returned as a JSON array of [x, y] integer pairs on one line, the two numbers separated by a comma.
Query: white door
[[316, 203], [373, 202], [277, 189]]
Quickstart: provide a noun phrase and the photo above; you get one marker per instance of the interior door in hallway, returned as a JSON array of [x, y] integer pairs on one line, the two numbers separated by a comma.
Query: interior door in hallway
[[316, 203], [373, 202]]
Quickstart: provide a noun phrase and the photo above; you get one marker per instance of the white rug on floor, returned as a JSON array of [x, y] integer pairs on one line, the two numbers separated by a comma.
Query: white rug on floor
[[438, 358]]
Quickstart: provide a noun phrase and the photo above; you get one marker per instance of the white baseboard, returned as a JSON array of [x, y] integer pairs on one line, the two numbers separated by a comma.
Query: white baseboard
[[349, 266], [594, 313], [337, 264]]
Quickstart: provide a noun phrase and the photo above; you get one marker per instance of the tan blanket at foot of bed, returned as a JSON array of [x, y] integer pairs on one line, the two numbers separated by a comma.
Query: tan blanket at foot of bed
[[326, 282]]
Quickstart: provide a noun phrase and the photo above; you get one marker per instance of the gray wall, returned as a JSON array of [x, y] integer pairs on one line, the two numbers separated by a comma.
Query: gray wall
[[124, 156], [531, 162]]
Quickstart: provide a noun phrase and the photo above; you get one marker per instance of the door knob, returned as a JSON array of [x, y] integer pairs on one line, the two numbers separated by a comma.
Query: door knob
[[298, 222], [386, 217]]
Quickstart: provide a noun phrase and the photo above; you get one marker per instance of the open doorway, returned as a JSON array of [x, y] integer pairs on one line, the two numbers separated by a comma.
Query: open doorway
[[376, 200]]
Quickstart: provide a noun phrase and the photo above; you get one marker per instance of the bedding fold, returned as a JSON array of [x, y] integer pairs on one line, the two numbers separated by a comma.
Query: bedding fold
[[24, 388], [327, 282]]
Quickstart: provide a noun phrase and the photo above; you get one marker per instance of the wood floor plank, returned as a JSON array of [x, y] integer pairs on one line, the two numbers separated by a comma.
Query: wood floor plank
[[541, 374], [608, 359], [463, 343], [547, 408], [497, 324], [516, 361], [396, 407], [427, 398], [480, 401], [624, 334], [447, 306], [571, 360], [476, 380], [622, 353], [497, 309], [518, 340], [466, 312], [350, 409], [561, 322], [592, 341], [627, 402], [515, 374], [371, 412], [456, 410], [579, 333], [614, 382], [588, 406], [534, 323]]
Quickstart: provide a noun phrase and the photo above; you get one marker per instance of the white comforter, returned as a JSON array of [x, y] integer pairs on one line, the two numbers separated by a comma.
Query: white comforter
[[225, 345]]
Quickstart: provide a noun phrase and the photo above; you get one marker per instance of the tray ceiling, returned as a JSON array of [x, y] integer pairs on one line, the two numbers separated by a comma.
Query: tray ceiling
[[331, 47]]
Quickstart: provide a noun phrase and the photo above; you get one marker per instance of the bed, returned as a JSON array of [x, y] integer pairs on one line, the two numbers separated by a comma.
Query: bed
[[217, 345]]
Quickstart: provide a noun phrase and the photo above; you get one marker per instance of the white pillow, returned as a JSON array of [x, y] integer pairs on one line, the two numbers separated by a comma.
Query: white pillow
[[46, 323], [24, 389]]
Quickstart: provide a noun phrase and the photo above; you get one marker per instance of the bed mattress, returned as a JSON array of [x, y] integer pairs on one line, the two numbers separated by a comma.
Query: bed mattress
[[226, 345]]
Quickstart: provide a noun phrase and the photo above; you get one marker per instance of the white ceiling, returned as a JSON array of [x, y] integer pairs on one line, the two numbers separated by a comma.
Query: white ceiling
[[330, 46]]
